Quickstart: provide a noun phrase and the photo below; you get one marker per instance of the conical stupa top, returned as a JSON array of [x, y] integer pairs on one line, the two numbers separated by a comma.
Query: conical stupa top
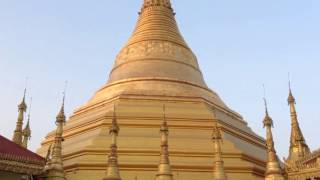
[[273, 170], [156, 60], [23, 105], [298, 145], [61, 117], [157, 43]]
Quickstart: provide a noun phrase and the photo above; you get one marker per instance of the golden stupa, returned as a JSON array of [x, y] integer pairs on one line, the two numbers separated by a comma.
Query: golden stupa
[[156, 68]]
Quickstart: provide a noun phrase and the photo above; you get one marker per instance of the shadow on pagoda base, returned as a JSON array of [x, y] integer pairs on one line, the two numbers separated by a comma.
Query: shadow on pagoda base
[[190, 121]]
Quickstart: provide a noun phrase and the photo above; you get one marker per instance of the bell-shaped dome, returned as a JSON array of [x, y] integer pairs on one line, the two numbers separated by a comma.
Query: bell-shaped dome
[[156, 60]]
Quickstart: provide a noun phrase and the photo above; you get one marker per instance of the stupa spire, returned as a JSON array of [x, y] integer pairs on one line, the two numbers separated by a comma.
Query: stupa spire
[[273, 170], [22, 108], [55, 171], [219, 173], [152, 3], [298, 145], [113, 169], [27, 131], [156, 60], [164, 169]]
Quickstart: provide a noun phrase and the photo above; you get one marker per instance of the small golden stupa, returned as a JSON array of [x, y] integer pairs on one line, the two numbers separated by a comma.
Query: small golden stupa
[[157, 68]]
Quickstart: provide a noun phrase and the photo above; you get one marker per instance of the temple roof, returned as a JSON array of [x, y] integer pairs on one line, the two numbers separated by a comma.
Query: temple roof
[[10, 148], [17, 159]]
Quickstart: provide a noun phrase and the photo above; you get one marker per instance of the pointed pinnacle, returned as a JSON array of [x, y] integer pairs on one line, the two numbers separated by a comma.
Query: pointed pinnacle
[[291, 99], [23, 105], [267, 120], [27, 131], [61, 115], [114, 127]]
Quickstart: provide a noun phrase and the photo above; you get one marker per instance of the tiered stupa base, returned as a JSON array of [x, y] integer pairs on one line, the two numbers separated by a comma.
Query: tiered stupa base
[[190, 121]]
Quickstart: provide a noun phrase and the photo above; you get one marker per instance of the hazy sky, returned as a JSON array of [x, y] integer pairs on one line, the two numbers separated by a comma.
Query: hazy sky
[[239, 44]]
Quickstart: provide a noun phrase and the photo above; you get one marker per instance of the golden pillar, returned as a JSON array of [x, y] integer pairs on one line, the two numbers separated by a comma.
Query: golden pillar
[[273, 171], [55, 170]]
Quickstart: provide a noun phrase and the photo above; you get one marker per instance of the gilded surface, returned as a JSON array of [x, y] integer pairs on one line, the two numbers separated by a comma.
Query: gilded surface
[[18, 134], [113, 167], [298, 145], [273, 171], [54, 167], [157, 67], [164, 168], [17, 164]]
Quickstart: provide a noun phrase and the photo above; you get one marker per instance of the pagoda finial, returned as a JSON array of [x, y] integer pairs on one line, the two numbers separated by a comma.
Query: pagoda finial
[[61, 115], [273, 170], [22, 108], [56, 171], [291, 99], [267, 120], [298, 145], [219, 173], [113, 168], [27, 131], [153, 3], [164, 169]]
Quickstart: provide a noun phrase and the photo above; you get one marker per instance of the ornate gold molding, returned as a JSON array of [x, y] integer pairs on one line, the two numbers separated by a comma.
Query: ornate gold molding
[[18, 164]]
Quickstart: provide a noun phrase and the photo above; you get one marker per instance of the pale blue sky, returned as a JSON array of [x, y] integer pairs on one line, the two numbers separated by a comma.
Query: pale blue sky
[[240, 45]]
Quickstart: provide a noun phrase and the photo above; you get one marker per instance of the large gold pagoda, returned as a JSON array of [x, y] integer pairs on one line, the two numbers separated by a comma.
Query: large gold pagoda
[[155, 68]]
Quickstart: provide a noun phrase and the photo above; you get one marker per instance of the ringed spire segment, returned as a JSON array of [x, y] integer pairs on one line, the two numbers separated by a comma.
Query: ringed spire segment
[[151, 3]]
